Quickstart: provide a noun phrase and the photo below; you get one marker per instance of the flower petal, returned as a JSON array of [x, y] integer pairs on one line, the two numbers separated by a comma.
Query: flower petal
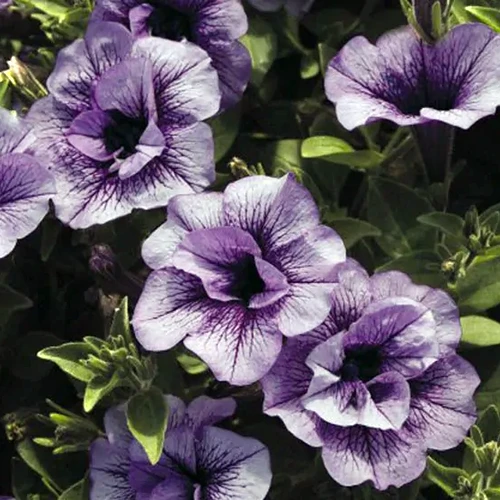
[[353, 455], [274, 211], [185, 213], [404, 332], [14, 133], [207, 411], [78, 65], [304, 308], [444, 309], [172, 305], [284, 386], [240, 345], [186, 85], [442, 407], [25, 189], [237, 467]]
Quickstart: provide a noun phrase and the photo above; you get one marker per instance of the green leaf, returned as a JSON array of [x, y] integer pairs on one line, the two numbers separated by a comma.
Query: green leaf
[[340, 152], [309, 67], [50, 232], [488, 392], [11, 301], [225, 128], [79, 491], [489, 423], [478, 331], [444, 477], [422, 266], [51, 8], [492, 493], [24, 480], [352, 230], [120, 325], [147, 417], [479, 289], [262, 43], [191, 364], [68, 357], [25, 363], [169, 376], [394, 208], [323, 145], [487, 15], [447, 223], [98, 388]]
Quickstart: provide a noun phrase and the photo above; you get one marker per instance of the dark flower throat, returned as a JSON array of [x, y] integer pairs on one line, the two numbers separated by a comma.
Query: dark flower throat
[[167, 22]]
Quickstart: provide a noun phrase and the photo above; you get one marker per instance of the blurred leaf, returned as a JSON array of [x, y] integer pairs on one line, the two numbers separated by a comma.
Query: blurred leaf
[[50, 232], [444, 477], [11, 301], [478, 331], [394, 209], [352, 230], [98, 388], [489, 423], [422, 266], [67, 357], [309, 67], [24, 480], [169, 376], [488, 392], [487, 15], [323, 145], [79, 491], [120, 325], [147, 417], [479, 289], [191, 364], [25, 363], [225, 128], [262, 43], [447, 223]]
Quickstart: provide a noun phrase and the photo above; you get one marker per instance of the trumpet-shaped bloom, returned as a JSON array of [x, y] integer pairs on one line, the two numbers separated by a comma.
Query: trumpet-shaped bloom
[[122, 127], [25, 185], [198, 461], [294, 7], [213, 25], [235, 271], [379, 382], [402, 79]]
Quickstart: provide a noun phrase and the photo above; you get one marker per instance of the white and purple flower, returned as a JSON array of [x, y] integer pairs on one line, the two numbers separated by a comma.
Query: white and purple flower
[[213, 25], [122, 128], [234, 272], [198, 461], [433, 87], [25, 185], [379, 382]]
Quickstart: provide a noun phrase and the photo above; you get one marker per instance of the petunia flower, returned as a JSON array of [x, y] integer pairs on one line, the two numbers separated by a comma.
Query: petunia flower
[[452, 83], [25, 185], [199, 460], [379, 382], [122, 127], [234, 272], [213, 25], [294, 7]]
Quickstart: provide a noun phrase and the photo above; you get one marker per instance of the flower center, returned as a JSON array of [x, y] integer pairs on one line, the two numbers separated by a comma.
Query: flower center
[[170, 23], [247, 281], [123, 134], [361, 364]]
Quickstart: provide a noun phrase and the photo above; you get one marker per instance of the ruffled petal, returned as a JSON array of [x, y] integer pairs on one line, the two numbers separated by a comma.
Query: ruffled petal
[[240, 345]]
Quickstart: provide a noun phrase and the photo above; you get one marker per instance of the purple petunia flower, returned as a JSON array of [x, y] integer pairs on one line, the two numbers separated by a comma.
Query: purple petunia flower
[[235, 271], [294, 7], [379, 382], [198, 460], [25, 186], [213, 25], [122, 128], [454, 82]]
